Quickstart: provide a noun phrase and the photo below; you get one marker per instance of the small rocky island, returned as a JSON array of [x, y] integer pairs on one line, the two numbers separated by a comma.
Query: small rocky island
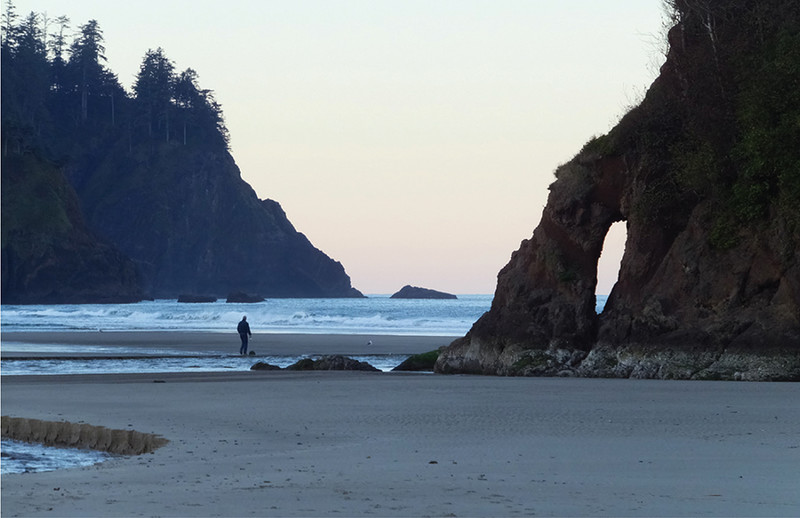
[[413, 292]]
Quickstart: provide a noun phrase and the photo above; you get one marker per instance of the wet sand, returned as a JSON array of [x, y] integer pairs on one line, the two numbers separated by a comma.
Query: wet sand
[[401, 444], [16, 344]]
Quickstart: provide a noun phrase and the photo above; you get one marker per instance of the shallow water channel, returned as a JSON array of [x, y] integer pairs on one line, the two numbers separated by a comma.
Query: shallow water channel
[[22, 457]]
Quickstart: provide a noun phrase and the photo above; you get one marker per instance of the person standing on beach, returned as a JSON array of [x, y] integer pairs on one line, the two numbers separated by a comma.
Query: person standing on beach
[[244, 332]]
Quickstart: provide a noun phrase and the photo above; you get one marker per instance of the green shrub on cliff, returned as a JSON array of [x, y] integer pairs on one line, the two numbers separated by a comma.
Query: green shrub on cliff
[[731, 133]]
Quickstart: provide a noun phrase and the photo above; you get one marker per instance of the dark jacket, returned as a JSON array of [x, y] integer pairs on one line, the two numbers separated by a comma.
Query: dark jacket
[[243, 328]]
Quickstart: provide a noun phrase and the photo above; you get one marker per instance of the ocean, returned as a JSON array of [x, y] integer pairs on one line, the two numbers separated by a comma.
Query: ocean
[[375, 315]]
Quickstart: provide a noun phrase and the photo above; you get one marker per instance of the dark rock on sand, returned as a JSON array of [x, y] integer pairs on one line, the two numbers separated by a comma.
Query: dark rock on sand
[[196, 298], [423, 362], [244, 298], [709, 285], [413, 292], [331, 363], [264, 366]]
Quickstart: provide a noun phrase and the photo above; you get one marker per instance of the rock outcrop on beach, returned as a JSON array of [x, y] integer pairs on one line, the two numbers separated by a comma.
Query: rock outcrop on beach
[[414, 292], [334, 362], [161, 206], [264, 366], [423, 362], [705, 173]]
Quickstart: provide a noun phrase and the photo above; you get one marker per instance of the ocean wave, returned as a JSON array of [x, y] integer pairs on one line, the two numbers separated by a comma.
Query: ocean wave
[[374, 315]]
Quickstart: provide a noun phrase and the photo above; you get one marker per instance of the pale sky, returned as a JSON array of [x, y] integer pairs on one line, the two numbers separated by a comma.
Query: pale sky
[[413, 141]]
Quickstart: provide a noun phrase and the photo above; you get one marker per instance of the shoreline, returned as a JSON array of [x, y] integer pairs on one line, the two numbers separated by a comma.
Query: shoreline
[[288, 443], [41, 343]]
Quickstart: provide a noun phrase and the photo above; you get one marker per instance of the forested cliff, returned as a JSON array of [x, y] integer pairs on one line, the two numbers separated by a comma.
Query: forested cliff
[[705, 173], [110, 195]]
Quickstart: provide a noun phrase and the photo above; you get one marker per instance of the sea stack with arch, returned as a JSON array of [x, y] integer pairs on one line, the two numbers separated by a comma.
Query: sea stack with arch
[[709, 284]]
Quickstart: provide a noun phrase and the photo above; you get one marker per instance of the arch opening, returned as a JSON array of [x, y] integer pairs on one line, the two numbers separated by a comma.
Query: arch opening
[[608, 264]]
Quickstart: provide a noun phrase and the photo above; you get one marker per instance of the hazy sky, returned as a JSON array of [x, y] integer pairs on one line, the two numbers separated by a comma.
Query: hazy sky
[[413, 141]]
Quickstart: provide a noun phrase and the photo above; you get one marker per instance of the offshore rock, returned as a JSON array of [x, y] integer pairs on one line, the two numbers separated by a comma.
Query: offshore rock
[[243, 298], [413, 292], [196, 299], [709, 285]]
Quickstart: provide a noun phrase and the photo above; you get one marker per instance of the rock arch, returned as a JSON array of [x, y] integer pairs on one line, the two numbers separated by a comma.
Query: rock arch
[[545, 296], [680, 307]]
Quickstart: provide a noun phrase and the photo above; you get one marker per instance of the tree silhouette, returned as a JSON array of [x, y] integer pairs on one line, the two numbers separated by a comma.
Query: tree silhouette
[[59, 97], [84, 67], [153, 89]]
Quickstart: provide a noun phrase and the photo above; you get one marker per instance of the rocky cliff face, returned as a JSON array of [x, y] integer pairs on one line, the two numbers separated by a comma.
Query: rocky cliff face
[[706, 175], [193, 225], [48, 253], [158, 224]]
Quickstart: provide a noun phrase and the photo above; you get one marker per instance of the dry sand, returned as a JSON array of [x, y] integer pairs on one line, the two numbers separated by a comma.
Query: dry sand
[[391, 444]]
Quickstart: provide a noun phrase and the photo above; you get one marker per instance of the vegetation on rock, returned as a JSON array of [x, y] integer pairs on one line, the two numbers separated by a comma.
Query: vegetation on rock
[[419, 362]]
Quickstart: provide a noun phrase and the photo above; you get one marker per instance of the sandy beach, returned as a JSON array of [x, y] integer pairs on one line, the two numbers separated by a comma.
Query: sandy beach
[[400, 444]]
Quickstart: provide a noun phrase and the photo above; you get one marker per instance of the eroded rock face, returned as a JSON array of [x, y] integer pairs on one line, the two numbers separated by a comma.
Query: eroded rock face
[[705, 291], [193, 225], [680, 310], [545, 295]]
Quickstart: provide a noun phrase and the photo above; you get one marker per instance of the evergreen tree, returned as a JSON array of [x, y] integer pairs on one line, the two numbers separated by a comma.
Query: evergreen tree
[[84, 68], [198, 108], [154, 90], [25, 83], [8, 28], [56, 47], [51, 88]]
